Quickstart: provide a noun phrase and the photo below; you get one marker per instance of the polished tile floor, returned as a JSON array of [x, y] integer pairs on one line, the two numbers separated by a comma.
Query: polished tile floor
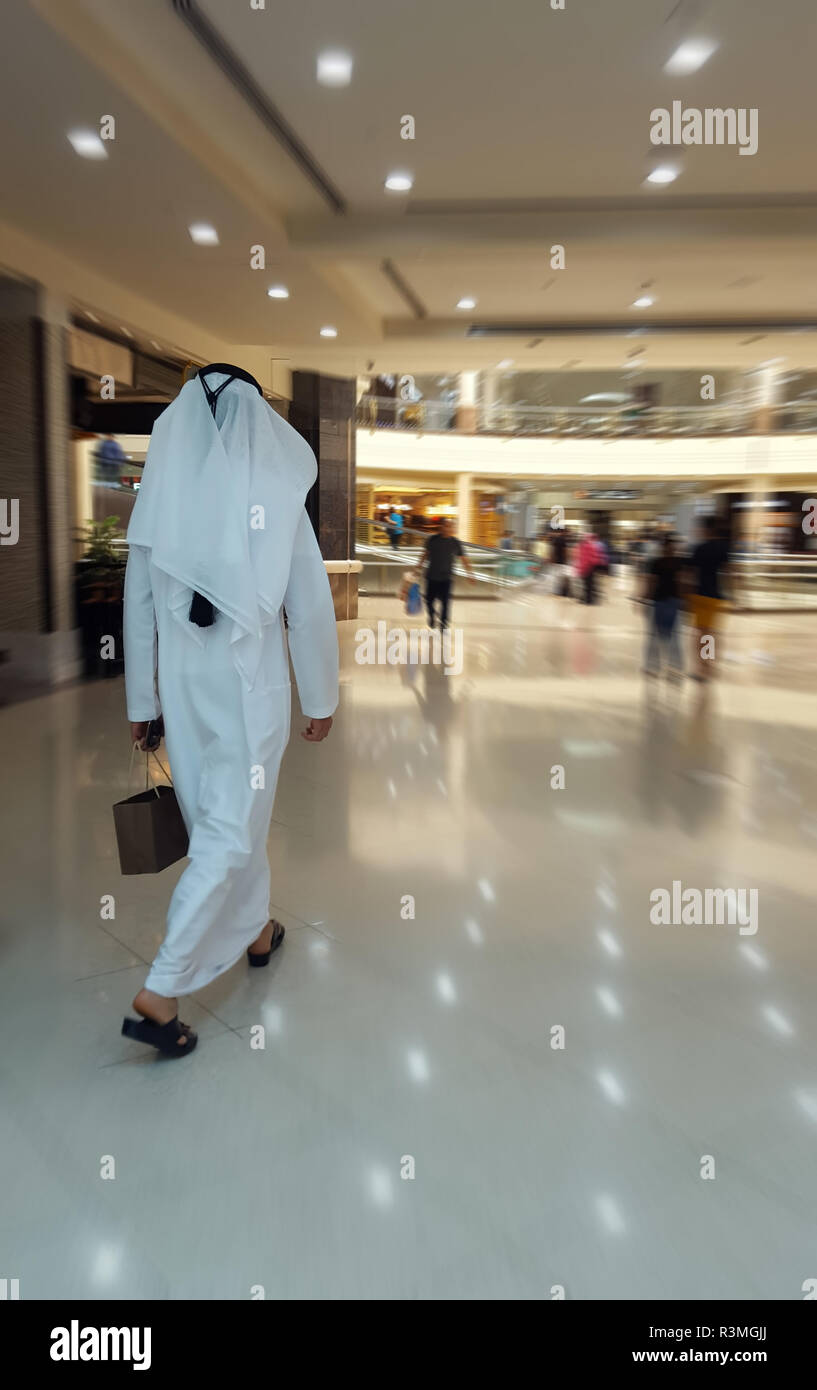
[[425, 1043]]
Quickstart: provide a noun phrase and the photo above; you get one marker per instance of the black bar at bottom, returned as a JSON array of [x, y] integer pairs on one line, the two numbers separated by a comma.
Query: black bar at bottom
[[163, 1339]]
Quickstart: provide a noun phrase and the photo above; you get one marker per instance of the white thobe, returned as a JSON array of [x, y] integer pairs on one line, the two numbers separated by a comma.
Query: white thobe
[[224, 743]]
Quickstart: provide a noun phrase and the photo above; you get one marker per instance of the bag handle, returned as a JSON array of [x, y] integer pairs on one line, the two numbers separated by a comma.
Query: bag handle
[[149, 753]]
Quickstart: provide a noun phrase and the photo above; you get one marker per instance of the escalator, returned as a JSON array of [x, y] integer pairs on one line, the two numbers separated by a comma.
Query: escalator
[[498, 573]]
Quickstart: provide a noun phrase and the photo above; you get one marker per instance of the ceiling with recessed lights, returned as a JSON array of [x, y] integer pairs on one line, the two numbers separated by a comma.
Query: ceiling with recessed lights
[[531, 130], [520, 101]]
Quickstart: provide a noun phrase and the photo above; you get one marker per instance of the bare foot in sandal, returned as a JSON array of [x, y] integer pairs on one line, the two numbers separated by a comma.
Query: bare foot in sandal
[[157, 1008], [264, 945], [263, 942], [159, 1024]]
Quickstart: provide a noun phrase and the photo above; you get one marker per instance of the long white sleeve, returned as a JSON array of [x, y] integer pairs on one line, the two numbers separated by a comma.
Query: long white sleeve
[[313, 637], [140, 639]]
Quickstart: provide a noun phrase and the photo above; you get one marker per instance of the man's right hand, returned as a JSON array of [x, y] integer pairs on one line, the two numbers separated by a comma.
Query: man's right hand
[[317, 730], [148, 734]]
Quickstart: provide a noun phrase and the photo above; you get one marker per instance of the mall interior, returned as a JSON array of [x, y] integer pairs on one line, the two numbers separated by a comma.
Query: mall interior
[[444, 242]]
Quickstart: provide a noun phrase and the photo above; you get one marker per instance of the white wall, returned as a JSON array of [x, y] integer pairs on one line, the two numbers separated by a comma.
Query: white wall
[[740, 457]]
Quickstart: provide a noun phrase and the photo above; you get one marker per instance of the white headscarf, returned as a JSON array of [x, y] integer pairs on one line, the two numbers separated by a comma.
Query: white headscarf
[[219, 505]]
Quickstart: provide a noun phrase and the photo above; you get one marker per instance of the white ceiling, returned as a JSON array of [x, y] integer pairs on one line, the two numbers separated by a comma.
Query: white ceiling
[[521, 101], [602, 280], [547, 109]]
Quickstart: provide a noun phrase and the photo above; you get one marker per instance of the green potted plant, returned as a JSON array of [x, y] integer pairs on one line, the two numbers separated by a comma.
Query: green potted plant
[[99, 589]]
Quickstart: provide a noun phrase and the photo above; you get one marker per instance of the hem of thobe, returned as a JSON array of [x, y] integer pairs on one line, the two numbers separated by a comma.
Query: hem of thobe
[[171, 985]]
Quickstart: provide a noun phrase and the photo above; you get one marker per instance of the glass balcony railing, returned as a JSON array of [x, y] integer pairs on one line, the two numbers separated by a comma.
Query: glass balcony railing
[[587, 422]]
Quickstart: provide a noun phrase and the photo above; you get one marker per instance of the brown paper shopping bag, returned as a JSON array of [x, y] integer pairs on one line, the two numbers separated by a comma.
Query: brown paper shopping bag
[[150, 830]]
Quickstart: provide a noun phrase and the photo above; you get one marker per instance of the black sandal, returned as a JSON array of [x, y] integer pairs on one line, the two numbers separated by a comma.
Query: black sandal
[[259, 958], [163, 1036]]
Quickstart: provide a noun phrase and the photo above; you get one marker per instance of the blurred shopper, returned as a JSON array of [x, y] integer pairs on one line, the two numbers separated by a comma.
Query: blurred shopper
[[559, 567], [110, 456], [707, 568], [438, 561], [205, 647], [507, 544], [410, 595], [558, 547], [589, 562], [663, 589], [395, 528]]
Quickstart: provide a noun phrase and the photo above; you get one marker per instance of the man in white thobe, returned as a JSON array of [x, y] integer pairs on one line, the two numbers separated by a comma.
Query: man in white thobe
[[220, 522]]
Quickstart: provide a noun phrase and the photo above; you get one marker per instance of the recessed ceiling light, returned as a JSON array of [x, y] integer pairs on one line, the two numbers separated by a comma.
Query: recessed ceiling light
[[158, 346], [87, 144], [90, 316], [466, 303], [399, 183], [203, 234], [664, 173], [690, 56], [329, 332], [278, 292], [505, 363], [334, 69], [643, 302], [126, 331]]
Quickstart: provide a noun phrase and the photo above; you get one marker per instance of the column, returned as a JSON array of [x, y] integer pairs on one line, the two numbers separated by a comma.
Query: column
[[467, 404], [491, 400], [766, 382], [464, 521], [323, 411], [38, 637]]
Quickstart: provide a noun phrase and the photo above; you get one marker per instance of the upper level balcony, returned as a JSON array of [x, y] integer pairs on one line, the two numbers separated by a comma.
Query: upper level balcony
[[631, 420]]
